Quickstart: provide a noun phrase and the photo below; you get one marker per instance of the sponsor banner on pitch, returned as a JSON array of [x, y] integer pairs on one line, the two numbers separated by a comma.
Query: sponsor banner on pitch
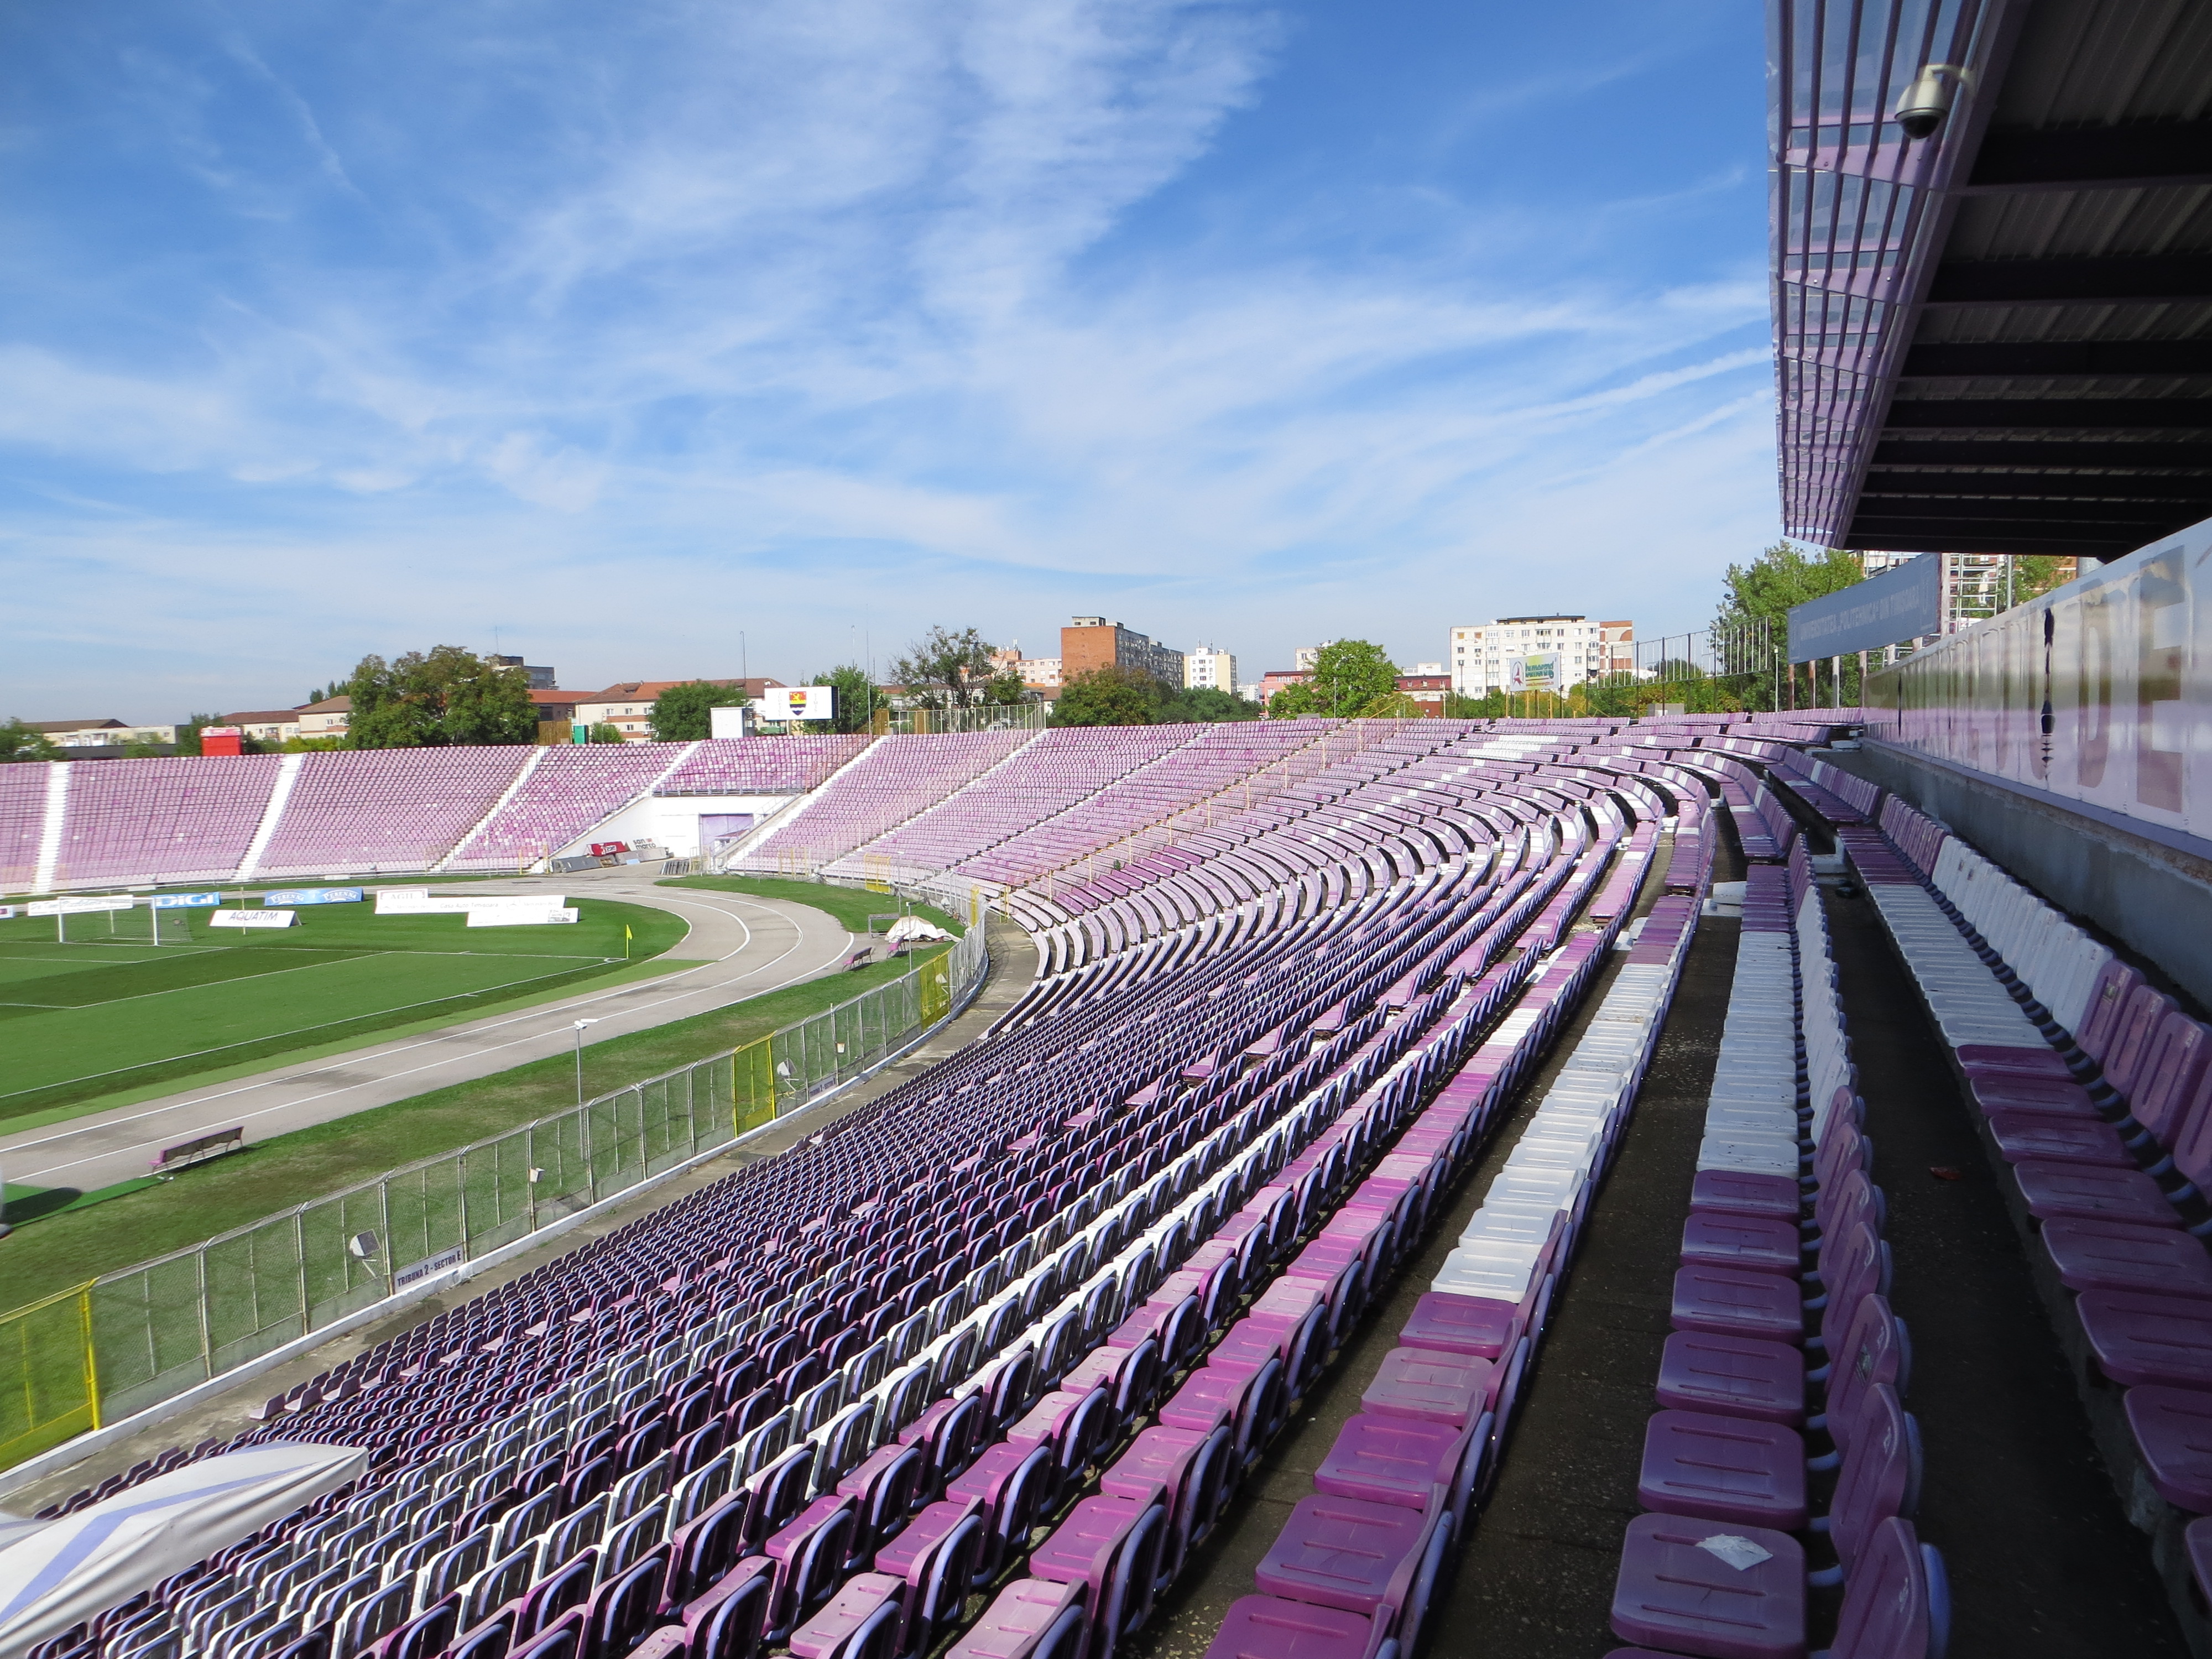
[[252, 918], [299, 895], [185, 901], [487, 917]]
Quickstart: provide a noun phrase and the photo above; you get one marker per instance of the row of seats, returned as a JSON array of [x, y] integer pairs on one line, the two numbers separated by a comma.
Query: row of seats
[[1354, 1566], [2093, 1093], [1781, 1296], [894, 779]]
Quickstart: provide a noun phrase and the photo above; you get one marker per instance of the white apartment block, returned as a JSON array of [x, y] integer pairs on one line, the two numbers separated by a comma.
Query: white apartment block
[[1209, 668], [1480, 653]]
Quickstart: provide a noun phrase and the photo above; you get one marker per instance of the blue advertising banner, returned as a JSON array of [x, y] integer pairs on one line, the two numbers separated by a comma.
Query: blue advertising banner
[[1898, 605], [184, 900], [315, 895]]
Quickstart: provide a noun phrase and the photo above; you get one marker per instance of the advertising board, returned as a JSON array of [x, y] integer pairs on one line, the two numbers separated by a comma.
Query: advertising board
[[1537, 672], [1899, 604], [299, 895], [185, 901], [252, 918]]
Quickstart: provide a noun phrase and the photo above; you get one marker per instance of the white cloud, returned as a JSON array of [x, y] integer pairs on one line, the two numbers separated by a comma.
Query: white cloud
[[809, 319]]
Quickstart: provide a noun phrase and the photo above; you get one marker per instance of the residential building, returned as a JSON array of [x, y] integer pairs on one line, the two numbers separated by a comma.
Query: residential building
[[98, 734], [1276, 678], [1307, 657], [627, 705], [327, 719], [264, 725], [1209, 668], [1092, 642], [1481, 654], [541, 679], [1038, 673], [1427, 685]]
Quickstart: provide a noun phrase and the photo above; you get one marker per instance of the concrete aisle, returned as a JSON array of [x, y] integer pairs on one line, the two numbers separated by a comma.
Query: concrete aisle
[[745, 946]]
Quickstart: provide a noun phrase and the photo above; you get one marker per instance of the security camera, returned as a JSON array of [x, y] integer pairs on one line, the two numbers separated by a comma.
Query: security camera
[[1924, 104]]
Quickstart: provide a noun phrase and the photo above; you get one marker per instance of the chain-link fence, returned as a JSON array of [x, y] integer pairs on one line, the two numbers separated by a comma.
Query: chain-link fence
[[131, 1339]]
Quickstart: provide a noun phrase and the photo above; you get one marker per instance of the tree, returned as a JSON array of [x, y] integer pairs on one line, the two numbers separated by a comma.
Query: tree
[[682, 713], [1110, 694], [604, 731], [945, 670], [1351, 679], [1762, 593], [854, 708], [1006, 688], [1204, 703], [430, 699], [18, 742]]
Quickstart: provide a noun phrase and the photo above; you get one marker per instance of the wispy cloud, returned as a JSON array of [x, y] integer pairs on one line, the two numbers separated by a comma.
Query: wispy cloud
[[812, 320]]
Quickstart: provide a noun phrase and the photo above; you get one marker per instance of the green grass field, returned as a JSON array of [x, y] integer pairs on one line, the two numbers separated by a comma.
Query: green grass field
[[67, 1247], [83, 1021]]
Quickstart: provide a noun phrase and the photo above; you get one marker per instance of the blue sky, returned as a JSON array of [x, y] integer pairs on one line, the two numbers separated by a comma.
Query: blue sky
[[614, 332]]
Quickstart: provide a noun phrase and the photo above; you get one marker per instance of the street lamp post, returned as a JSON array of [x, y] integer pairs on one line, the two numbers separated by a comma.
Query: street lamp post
[[580, 1026]]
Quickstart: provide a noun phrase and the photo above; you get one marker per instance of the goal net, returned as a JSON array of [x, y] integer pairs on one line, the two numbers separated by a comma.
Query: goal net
[[138, 924]]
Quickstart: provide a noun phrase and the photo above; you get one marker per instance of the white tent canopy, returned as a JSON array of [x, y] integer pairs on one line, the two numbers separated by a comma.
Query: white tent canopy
[[53, 1573]]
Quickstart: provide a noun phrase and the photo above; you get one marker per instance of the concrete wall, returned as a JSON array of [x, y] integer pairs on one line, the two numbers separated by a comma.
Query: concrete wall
[[2156, 900]]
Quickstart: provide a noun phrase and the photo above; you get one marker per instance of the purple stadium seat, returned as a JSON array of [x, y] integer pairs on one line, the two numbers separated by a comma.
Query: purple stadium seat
[[2083, 1192], [1394, 1460], [1759, 1243], [1189, 1468], [1112, 1547], [1736, 1376], [2021, 1135], [1462, 1324], [1676, 1594], [1731, 1191], [1032, 1619], [1343, 1553], [1269, 1627], [2105, 1255], [1723, 1469], [1736, 1301], [860, 1621], [2139, 1339], [1432, 1386]]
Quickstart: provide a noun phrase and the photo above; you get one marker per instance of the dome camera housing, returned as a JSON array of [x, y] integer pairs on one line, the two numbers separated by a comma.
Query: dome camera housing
[[1924, 104]]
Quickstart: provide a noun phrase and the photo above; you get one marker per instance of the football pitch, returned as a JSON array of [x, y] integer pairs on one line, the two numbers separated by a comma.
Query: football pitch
[[80, 1022]]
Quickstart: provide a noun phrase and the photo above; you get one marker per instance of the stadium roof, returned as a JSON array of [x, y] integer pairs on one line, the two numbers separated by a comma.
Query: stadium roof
[[1999, 339]]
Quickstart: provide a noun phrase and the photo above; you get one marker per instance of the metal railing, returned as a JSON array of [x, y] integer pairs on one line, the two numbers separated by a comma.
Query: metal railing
[[131, 1339]]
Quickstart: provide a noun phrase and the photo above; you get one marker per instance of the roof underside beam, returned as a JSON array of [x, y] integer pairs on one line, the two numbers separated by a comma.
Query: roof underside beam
[[2006, 510], [1955, 360], [2052, 414], [2144, 154], [2038, 453], [2043, 487], [2153, 279]]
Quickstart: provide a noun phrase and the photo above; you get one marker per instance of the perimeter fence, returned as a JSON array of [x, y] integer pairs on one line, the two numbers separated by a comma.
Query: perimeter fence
[[134, 1337]]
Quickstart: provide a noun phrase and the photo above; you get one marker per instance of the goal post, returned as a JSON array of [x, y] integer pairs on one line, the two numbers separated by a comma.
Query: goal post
[[127, 923]]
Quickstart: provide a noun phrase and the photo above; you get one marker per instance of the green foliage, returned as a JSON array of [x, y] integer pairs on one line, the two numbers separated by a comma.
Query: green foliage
[[1110, 694], [1352, 678], [604, 731], [19, 742], [311, 745], [429, 700], [1204, 703], [680, 715], [854, 705], [137, 751], [945, 670], [1006, 688], [1782, 576]]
